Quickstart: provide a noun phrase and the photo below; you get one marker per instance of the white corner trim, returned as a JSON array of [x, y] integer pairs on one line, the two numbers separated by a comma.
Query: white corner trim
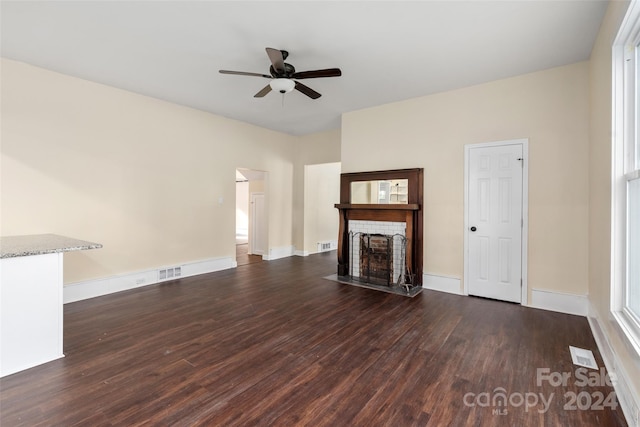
[[301, 253], [277, 253], [441, 283], [628, 398], [97, 287], [557, 301]]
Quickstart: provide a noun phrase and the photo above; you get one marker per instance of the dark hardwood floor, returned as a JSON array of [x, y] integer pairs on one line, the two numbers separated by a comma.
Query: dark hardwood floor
[[273, 343], [243, 256]]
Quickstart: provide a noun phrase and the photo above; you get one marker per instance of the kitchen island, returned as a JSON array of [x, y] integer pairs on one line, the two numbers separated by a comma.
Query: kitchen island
[[31, 303]]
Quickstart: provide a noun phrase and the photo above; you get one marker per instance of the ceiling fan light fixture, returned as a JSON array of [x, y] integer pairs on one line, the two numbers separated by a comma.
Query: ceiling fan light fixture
[[282, 85], [281, 76]]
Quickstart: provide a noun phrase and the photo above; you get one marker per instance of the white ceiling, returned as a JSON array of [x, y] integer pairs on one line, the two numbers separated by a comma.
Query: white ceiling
[[388, 50]]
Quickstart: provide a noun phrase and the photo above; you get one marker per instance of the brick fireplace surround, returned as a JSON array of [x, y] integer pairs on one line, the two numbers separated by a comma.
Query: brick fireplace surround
[[410, 214]]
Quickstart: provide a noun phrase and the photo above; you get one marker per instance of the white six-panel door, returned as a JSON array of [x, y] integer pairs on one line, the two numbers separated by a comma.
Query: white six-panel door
[[257, 233], [495, 220]]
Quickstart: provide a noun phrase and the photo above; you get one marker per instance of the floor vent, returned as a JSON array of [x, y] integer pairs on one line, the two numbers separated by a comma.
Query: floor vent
[[169, 273], [327, 246], [582, 357]]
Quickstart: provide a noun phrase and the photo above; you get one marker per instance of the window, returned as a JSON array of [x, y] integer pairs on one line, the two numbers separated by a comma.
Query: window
[[626, 177], [633, 249]]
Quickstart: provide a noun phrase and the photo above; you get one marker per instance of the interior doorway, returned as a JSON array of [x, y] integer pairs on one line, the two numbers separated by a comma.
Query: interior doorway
[[251, 216], [495, 220], [321, 194]]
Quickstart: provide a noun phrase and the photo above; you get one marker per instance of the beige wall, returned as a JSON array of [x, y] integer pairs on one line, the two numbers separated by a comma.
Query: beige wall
[[257, 186], [152, 181], [600, 188], [548, 107]]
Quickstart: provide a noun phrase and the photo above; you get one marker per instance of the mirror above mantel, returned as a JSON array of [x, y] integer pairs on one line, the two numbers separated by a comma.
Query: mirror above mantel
[[380, 192], [378, 189]]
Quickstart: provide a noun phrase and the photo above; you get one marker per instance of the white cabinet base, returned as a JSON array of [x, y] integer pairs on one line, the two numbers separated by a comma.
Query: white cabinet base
[[31, 311]]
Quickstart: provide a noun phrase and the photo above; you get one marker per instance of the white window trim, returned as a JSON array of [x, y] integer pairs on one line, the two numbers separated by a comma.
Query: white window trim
[[624, 129]]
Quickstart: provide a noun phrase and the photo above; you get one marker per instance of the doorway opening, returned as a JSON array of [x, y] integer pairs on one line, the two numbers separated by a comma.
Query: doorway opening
[[321, 194], [251, 222]]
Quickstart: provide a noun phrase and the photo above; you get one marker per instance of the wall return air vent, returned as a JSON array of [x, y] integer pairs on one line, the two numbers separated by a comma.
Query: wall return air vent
[[169, 273], [326, 246]]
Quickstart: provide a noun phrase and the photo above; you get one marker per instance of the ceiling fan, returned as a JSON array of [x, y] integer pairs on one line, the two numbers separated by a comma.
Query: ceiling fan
[[282, 75]]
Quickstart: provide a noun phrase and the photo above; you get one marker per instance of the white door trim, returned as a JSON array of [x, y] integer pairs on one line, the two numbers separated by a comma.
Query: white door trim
[[525, 209]]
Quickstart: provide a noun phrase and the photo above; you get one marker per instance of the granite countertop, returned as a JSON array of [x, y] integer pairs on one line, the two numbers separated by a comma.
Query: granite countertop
[[40, 244]]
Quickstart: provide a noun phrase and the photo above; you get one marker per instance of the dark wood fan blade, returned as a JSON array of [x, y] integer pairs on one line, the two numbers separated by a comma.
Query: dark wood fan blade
[[276, 59], [307, 91], [329, 72], [242, 73], [265, 90]]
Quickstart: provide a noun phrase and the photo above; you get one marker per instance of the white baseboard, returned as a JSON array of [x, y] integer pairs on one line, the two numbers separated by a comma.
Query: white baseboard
[[307, 253], [441, 283], [98, 287], [563, 303], [628, 398], [281, 252]]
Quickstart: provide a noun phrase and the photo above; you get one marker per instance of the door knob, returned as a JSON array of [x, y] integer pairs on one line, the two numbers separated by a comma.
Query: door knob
[[473, 229]]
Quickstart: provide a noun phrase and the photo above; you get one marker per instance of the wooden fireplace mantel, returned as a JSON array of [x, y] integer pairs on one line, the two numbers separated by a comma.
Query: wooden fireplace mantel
[[407, 207], [409, 213], [398, 213]]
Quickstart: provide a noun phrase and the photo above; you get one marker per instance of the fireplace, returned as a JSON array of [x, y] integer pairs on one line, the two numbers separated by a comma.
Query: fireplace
[[378, 258], [380, 238]]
